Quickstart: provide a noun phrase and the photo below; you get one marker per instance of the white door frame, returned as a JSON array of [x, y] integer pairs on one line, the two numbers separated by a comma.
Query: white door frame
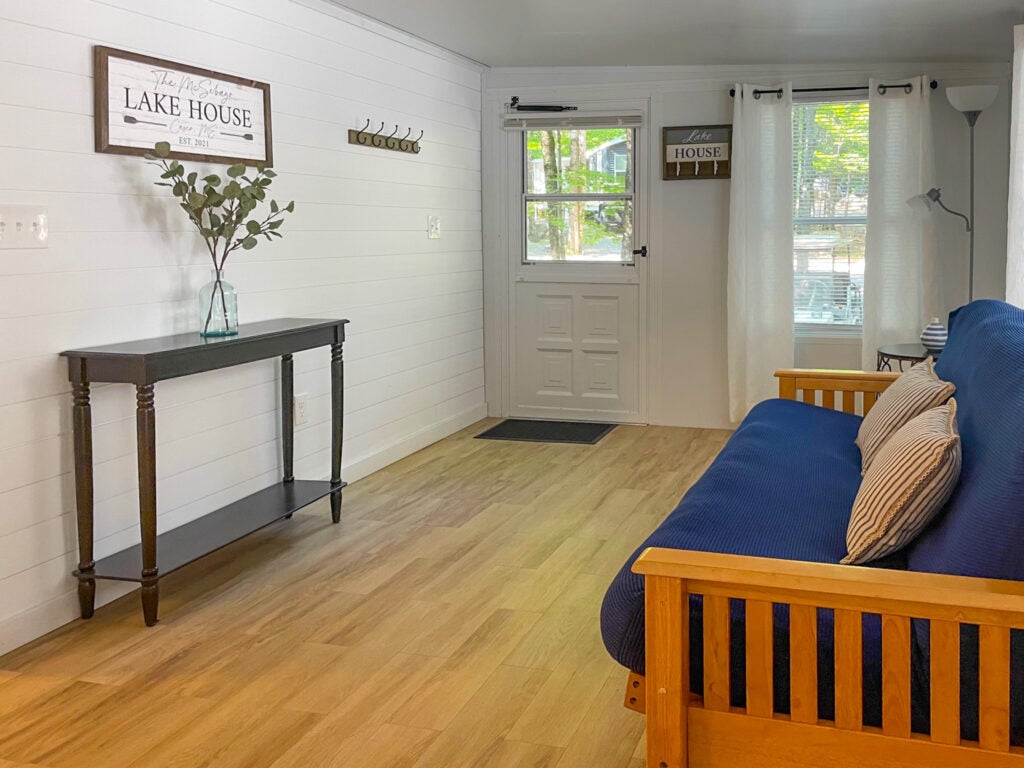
[[510, 177]]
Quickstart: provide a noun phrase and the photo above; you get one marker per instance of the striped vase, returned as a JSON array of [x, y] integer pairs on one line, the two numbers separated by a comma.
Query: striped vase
[[934, 337]]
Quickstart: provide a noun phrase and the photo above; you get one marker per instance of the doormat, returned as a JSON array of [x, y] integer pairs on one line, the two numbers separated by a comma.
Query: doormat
[[581, 432]]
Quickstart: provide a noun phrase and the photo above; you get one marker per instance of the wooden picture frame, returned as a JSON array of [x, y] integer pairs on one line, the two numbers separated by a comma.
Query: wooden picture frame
[[204, 115], [696, 152]]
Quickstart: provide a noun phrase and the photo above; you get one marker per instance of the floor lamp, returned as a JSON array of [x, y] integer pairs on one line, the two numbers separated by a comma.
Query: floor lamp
[[971, 100]]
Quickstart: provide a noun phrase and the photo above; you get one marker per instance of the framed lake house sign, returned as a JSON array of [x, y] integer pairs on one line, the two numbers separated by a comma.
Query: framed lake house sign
[[203, 115], [697, 152]]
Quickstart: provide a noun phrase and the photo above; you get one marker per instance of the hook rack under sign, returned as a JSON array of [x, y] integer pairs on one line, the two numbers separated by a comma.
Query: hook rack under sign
[[696, 152], [364, 137]]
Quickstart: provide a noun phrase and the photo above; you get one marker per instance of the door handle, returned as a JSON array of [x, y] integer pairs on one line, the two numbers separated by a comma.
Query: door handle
[[641, 252]]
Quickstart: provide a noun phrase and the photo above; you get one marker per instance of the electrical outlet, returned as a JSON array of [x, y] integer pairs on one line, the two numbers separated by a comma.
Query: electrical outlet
[[24, 226], [434, 227], [301, 409]]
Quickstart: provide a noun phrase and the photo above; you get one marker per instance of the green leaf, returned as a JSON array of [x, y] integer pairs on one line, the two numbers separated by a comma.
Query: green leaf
[[273, 206], [269, 174], [206, 232], [196, 199], [236, 170], [214, 198], [168, 174], [232, 190], [180, 189], [215, 221], [252, 227], [290, 207], [162, 184], [249, 243], [213, 179], [275, 223], [276, 234], [162, 148], [192, 178], [263, 182]]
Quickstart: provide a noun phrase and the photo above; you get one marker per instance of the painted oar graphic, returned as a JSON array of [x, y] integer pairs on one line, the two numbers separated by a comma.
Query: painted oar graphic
[[246, 136], [133, 120]]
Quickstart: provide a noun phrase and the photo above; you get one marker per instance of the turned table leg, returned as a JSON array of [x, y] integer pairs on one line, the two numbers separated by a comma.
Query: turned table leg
[[145, 426], [82, 427], [288, 417], [337, 425]]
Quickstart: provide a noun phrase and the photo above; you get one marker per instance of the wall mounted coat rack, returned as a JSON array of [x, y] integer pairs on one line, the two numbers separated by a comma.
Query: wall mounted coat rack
[[380, 140]]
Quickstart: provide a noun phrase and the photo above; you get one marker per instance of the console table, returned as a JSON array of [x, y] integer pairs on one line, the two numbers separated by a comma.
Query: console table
[[144, 363]]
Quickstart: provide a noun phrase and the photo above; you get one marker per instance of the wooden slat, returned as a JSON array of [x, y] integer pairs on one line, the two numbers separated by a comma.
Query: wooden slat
[[716, 652], [994, 688], [809, 396], [668, 676], [875, 590], [787, 388], [849, 402], [803, 663], [760, 702], [870, 398], [945, 682], [849, 653], [896, 676], [828, 399], [733, 740]]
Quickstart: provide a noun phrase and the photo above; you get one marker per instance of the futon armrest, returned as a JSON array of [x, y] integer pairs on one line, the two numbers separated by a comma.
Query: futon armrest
[[810, 382], [870, 590]]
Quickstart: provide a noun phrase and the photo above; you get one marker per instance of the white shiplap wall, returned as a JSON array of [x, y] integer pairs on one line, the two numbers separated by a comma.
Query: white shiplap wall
[[122, 264]]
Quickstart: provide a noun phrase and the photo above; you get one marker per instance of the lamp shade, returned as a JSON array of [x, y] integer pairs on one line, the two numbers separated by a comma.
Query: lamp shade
[[972, 98]]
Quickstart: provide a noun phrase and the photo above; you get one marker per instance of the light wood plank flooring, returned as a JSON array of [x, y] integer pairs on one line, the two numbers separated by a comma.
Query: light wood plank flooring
[[451, 620]]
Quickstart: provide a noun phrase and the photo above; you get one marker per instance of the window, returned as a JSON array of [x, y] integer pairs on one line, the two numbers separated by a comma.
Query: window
[[830, 209], [578, 195]]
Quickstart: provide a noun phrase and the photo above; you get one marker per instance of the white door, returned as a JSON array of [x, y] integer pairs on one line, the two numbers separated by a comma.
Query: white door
[[577, 273]]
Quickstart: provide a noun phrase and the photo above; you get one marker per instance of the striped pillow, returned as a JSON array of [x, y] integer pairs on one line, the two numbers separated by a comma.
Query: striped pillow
[[913, 393], [909, 481]]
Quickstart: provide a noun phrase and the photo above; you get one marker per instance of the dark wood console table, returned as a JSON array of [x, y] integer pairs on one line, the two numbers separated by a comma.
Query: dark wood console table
[[143, 363]]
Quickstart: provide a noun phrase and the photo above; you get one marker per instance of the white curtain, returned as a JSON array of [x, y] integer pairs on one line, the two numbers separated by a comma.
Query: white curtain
[[900, 289], [760, 298], [1015, 235]]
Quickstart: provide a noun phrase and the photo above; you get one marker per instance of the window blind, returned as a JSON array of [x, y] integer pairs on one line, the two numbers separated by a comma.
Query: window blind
[[539, 121]]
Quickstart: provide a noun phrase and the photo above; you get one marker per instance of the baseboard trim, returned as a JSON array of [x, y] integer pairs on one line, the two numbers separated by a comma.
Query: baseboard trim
[[40, 620]]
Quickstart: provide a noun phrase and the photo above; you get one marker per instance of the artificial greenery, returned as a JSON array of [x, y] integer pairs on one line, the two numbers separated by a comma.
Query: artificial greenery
[[222, 209]]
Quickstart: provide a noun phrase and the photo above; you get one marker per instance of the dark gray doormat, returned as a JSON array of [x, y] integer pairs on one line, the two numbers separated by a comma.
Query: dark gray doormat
[[582, 432]]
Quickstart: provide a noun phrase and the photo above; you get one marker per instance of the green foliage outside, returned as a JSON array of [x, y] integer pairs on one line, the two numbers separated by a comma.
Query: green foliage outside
[[567, 229], [830, 142]]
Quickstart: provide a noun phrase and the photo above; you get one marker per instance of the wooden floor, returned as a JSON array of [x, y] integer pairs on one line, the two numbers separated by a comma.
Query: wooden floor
[[450, 620]]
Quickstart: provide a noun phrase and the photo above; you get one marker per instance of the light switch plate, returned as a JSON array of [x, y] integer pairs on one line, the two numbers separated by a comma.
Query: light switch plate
[[24, 226], [434, 227]]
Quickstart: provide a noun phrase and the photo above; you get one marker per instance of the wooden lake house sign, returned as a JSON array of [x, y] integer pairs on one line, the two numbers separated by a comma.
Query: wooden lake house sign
[[697, 152], [204, 115]]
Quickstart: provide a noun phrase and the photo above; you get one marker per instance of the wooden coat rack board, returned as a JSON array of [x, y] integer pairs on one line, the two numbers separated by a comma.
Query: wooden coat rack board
[[696, 152], [378, 139]]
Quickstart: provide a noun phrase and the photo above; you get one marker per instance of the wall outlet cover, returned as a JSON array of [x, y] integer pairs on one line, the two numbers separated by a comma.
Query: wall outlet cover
[[301, 409], [24, 226], [434, 227]]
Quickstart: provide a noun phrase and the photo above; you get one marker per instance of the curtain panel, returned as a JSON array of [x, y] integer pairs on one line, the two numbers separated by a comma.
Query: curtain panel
[[900, 286], [760, 284], [1015, 233]]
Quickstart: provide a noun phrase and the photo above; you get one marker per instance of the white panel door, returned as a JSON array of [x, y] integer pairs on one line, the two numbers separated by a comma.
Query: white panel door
[[577, 353]]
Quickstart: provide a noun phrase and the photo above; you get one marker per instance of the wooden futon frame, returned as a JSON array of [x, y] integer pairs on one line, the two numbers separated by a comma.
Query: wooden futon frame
[[686, 730]]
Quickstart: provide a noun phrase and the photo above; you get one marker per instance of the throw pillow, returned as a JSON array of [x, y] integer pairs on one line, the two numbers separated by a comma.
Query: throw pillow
[[909, 481], [916, 391]]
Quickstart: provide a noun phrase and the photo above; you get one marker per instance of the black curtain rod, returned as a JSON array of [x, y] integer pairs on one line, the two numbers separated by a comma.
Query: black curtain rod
[[908, 87]]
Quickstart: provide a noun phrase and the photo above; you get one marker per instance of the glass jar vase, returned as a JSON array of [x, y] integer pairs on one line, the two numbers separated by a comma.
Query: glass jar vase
[[218, 307]]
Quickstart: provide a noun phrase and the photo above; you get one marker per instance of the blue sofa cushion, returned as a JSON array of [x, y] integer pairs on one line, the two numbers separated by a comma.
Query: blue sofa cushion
[[783, 486], [981, 530]]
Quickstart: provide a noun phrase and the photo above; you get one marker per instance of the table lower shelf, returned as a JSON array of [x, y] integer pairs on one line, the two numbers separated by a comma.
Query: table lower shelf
[[189, 542]]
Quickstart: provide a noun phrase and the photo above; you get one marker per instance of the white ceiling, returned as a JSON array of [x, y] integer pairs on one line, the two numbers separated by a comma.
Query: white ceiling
[[663, 32]]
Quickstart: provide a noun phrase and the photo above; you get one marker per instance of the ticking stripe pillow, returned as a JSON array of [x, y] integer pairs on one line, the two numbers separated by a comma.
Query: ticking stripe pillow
[[909, 481], [913, 393]]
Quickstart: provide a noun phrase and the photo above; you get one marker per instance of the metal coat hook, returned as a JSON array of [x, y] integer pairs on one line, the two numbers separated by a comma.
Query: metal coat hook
[[380, 140]]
